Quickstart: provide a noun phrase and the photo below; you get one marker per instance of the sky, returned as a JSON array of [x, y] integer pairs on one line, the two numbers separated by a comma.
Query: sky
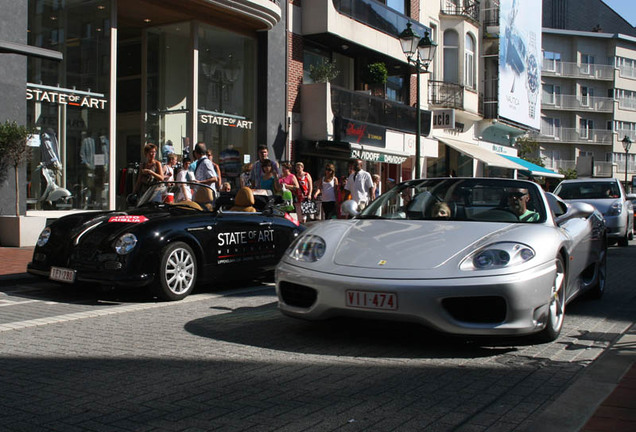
[[625, 8]]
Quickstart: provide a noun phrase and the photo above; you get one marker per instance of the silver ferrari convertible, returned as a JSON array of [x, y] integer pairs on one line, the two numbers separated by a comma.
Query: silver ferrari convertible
[[468, 256]]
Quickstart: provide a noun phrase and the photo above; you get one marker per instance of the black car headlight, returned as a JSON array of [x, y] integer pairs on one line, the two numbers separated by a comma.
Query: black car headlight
[[45, 235], [125, 243], [498, 255], [309, 248]]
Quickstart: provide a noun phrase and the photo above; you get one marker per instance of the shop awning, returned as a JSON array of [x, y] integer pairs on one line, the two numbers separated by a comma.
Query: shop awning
[[486, 156], [534, 169]]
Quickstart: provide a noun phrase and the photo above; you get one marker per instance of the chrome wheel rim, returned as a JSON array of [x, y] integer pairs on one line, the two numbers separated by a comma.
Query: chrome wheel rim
[[557, 300], [179, 271]]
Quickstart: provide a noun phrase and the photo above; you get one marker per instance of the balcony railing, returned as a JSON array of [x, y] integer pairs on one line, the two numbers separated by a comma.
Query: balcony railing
[[627, 103], [556, 165], [463, 8], [577, 103], [575, 70], [446, 94], [370, 109], [378, 16], [572, 135], [491, 17]]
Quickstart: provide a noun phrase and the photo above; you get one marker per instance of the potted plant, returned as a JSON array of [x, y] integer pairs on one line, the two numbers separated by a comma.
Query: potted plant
[[376, 76], [324, 72], [16, 230]]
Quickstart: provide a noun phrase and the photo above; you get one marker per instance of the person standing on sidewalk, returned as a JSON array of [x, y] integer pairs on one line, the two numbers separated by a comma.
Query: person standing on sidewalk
[[360, 184], [326, 189]]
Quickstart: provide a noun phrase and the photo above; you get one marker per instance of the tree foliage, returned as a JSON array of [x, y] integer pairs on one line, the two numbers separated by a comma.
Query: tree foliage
[[14, 152], [324, 72], [528, 149]]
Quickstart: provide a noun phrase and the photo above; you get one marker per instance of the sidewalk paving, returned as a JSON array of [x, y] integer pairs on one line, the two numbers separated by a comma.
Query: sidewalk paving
[[603, 399]]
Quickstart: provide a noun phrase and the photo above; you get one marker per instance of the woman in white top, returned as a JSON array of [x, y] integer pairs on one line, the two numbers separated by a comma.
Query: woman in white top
[[327, 187], [168, 169], [185, 193]]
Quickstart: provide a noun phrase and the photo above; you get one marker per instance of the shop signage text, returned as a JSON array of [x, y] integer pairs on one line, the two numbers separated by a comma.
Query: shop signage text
[[372, 156], [444, 119], [64, 98], [362, 133], [225, 121]]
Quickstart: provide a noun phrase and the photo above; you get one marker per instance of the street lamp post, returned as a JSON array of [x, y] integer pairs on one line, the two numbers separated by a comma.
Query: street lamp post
[[419, 52], [627, 143]]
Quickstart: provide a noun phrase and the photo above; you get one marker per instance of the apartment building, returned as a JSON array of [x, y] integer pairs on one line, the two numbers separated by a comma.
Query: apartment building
[[588, 89], [467, 130]]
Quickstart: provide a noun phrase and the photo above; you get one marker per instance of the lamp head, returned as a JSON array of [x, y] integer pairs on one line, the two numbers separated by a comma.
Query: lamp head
[[409, 40], [426, 48], [627, 143]]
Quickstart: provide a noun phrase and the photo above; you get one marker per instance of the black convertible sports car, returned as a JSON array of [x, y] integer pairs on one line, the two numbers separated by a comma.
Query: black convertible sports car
[[166, 243]]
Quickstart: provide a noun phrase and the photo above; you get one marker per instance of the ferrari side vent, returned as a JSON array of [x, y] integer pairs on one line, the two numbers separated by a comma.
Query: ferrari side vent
[[297, 295], [481, 310]]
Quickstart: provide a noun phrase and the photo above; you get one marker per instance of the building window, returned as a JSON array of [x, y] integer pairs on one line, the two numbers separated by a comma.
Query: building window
[[398, 5], [469, 63], [551, 94], [586, 93], [551, 127], [451, 59], [551, 61], [586, 61], [585, 128]]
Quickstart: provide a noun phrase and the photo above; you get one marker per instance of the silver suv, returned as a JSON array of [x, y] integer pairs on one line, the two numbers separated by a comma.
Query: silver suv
[[608, 196]]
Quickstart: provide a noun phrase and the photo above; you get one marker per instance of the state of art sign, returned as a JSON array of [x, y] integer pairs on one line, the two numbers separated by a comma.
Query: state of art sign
[[65, 97], [220, 120]]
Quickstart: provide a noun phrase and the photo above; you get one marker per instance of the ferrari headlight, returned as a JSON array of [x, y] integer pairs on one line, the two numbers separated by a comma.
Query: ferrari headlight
[[44, 236], [309, 248], [498, 255], [125, 243]]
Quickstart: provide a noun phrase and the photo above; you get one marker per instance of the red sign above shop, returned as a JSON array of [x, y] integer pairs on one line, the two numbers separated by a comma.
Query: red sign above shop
[[362, 133]]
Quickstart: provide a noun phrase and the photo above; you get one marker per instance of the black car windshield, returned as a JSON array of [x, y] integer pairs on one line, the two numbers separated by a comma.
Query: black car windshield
[[182, 194], [465, 199], [588, 190]]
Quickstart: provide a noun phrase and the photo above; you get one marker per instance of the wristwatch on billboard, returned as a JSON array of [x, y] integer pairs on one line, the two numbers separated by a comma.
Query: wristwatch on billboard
[[532, 74]]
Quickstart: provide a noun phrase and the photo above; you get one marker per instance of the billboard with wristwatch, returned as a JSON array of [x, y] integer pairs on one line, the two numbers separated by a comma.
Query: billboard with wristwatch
[[520, 62]]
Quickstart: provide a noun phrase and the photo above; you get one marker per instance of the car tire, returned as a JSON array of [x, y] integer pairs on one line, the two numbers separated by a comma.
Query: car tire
[[177, 272], [598, 289], [556, 305], [624, 241]]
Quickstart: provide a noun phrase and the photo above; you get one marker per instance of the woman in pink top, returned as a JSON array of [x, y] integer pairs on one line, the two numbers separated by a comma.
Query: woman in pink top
[[288, 179]]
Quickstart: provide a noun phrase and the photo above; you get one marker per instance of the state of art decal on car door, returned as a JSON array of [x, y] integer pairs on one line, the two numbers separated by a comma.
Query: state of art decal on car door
[[242, 246]]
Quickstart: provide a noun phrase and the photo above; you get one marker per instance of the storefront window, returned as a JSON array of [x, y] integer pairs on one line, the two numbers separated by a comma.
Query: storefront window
[[67, 103], [168, 87], [227, 98]]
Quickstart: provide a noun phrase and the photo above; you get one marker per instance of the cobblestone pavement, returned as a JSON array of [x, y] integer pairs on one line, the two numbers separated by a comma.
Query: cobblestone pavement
[[229, 361]]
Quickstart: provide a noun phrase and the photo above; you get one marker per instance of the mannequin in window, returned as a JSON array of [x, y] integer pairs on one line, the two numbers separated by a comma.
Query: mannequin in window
[[87, 163]]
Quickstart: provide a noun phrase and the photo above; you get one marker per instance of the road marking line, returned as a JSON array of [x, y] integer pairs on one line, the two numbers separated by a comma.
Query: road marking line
[[122, 309]]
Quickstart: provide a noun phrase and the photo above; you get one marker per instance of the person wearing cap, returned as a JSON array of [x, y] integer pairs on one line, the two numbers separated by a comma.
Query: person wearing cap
[[518, 204]]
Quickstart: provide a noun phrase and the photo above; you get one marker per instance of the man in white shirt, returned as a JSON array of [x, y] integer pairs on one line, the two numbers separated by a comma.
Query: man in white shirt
[[360, 184], [204, 172]]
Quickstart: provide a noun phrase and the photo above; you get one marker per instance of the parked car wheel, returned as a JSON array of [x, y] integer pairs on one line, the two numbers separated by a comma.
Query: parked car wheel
[[177, 272], [598, 289], [624, 241], [556, 312]]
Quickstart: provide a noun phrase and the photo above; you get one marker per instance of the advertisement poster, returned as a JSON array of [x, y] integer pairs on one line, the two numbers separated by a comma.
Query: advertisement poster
[[520, 62]]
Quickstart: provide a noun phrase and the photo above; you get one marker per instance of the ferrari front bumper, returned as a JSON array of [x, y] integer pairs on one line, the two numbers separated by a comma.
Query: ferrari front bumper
[[511, 304]]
